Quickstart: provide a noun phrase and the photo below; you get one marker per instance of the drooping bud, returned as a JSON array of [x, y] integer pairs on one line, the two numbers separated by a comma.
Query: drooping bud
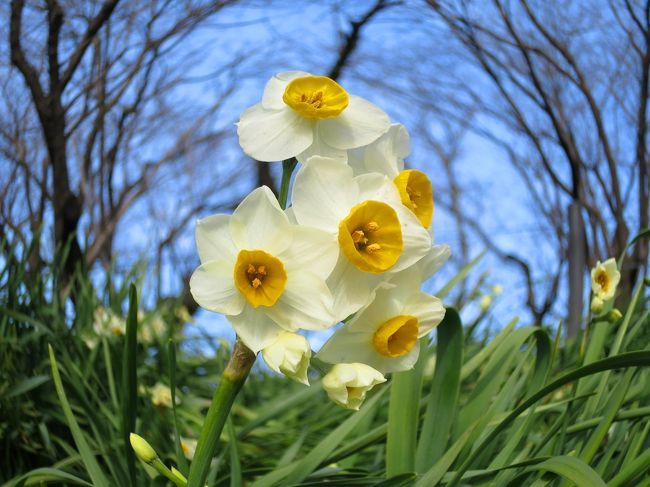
[[289, 354], [614, 315], [142, 449], [347, 384]]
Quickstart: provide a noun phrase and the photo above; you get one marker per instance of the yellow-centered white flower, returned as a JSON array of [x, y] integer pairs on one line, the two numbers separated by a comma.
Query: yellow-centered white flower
[[384, 334], [605, 278], [289, 354], [263, 272], [161, 396], [347, 384], [375, 233], [302, 115], [386, 156]]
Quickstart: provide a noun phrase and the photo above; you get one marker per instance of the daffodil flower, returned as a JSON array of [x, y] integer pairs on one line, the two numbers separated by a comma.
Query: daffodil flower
[[386, 156], [605, 278], [347, 384], [375, 233], [289, 354], [302, 115], [384, 334], [263, 272], [161, 396]]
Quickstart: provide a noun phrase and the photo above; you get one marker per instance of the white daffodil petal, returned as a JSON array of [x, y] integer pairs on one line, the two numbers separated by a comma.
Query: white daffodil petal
[[356, 160], [345, 346], [213, 239], [274, 89], [374, 186], [323, 191], [360, 124], [259, 223], [416, 239], [434, 260], [212, 287], [382, 307], [306, 303], [311, 249], [351, 288], [255, 328], [399, 364], [427, 309], [320, 148], [386, 155], [273, 135]]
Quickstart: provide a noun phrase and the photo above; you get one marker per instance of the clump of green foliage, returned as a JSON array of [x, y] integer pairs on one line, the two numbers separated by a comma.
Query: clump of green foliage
[[518, 408]]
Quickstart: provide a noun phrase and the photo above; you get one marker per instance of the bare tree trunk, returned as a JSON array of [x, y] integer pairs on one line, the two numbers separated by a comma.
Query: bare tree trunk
[[577, 263]]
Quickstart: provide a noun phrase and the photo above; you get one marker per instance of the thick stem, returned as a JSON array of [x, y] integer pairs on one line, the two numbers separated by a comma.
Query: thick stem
[[232, 380], [287, 170]]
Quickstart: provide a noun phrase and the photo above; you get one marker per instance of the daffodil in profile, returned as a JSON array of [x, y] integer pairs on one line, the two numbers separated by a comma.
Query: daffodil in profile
[[604, 279], [289, 354], [263, 272], [347, 384], [301, 115], [385, 334], [373, 232], [386, 156]]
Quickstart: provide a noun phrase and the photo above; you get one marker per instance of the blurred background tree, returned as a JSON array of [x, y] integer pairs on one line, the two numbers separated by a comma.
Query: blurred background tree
[[116, 126]]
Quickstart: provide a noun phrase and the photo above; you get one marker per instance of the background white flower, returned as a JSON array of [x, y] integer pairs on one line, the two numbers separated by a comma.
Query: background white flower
[[302, 115], [605, 278]]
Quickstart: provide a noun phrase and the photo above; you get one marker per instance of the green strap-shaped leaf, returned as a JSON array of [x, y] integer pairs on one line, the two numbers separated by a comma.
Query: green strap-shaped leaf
[[129, 382], [443, 398], [95, 472], [633, 359], [572, 469], [40, 475], [299, 470], [403, 416]]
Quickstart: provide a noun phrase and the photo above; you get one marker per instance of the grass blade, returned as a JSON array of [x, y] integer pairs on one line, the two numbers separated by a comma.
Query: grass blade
[[129, 382], [89, 461], [571, 469], [180, 456]]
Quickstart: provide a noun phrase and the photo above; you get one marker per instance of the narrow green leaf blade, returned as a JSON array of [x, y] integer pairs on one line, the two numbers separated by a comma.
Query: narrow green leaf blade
[[129, 382], [95, 472], [443, 399]]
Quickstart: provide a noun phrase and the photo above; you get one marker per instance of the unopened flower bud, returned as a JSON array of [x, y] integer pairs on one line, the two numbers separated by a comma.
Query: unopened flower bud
[[597, 305], [347, 384], [289, 354], [614, 315], [485, 303], [142, 449]]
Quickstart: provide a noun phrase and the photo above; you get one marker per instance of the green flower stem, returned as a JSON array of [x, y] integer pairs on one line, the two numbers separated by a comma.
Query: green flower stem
[[232, 380], [287, 170], [162, 469]]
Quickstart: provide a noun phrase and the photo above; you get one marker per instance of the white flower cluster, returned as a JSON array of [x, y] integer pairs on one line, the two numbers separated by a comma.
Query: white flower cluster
[[354, 246]]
